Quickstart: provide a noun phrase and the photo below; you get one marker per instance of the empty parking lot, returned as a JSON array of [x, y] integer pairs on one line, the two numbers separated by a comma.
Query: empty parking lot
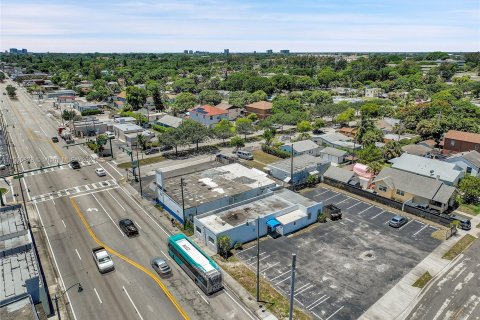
[[343, 267]]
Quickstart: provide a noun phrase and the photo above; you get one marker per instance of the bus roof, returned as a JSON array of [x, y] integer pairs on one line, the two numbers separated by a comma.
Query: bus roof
[[192, 252]]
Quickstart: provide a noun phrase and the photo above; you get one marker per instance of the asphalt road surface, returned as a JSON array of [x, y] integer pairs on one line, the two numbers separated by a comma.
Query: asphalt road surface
[[454, 295], [79, 210]]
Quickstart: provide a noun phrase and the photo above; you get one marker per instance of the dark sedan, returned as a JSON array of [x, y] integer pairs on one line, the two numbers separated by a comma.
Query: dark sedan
[[128, 227], [152, 151]]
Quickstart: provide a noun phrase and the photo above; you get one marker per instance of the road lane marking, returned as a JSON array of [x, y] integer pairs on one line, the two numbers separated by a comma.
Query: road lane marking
[[109, 216], [165, 255], [335, 312], [238, 304], [13, 193], [78, 254], [138, 312], [98, 296], [131, 262], [93, 192], [64, 224], [116, 201], [203, 297], [121, 175]]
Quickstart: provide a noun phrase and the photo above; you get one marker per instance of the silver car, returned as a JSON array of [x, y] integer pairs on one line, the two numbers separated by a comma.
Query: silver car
[[161, 266]]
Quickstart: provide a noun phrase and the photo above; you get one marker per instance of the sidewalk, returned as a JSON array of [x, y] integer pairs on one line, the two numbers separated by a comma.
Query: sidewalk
[[235, 290], [402, 298]]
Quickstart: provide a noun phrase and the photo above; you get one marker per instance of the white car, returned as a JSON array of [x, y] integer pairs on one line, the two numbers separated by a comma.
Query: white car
[[109, 135], [100, 172]]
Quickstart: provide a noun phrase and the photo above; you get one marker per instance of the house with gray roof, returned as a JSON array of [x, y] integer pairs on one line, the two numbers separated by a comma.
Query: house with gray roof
[[341, 175], [333, 155], [335, 140], [469, 162], [449, 173], [169, 121], [303, 166], [414, 189], [417, 150], [303, 147]]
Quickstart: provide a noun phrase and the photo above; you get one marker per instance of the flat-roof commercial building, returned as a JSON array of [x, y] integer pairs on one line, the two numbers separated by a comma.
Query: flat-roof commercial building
[[275, 212], [304, 166], [190, 189]]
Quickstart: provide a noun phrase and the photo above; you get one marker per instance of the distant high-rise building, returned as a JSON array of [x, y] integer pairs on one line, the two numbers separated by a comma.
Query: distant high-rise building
[[284, 51], [269, 51], [24, 51], [185, 51], [226, 51], [190, 51], [13, 50]]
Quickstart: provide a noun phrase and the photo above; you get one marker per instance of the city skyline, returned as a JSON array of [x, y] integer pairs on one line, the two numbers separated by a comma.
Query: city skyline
[[246, 26]]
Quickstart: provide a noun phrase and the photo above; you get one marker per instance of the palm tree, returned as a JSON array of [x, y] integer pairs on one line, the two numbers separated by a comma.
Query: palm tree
[[141, 141]]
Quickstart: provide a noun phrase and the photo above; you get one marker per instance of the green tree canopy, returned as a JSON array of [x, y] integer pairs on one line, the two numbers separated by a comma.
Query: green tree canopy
[[211, 97], [470, 189], [183, 102], [223, 130], [244, 126], [136, 97], [304, 126], [237, 142]]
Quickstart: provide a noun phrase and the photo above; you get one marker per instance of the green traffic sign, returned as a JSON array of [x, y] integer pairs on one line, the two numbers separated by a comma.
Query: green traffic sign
[[134, 163]]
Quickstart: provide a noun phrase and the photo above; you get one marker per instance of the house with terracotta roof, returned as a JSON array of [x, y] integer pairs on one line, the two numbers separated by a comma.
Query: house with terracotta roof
[[120, 99], [208, 115], [349, 132], [459, 141], [263, 109]]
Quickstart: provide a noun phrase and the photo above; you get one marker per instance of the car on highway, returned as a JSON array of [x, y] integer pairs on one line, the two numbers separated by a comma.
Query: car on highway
[[103, 259], [100, 172], [397, 221], [128, 227], [152, 151], [54, 139], [75, 164], [161, 266]]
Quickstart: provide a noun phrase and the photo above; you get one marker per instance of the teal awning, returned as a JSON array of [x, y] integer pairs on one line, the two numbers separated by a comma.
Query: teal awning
[[273, 223]]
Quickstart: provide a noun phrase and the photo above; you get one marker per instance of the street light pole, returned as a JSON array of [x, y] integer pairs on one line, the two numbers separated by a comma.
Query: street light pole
[[139, 174], [292, 287], [258, 258], [80, 289], [183, 202]]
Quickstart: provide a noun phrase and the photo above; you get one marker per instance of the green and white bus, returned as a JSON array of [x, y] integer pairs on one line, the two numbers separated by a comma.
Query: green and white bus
[[199, 266]]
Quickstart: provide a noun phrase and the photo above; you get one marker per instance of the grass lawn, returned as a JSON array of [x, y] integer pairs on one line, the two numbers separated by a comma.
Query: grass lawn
[[263, 157], [423, 280], [3, 190], [274, 301], [470, 208], [142, 162], [459, 247]]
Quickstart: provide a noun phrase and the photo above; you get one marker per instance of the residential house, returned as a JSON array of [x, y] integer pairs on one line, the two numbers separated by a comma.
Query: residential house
[[373, 92], [341, 175], [387, 124], [122, 129], [364, 176], [414, 189], [262, 109], [428, 143], [169, 121], [208, 115], [417, 150], [333, 155], [233, 111], [303, 166], [449, 173], [398, 137], [469, 162], [65, 99], [303, 147], [336, 140], [349, 132], [120, 99], [459, 141]]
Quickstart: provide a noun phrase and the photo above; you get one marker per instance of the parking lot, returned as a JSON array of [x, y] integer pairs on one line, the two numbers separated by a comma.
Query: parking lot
[[344, 266]]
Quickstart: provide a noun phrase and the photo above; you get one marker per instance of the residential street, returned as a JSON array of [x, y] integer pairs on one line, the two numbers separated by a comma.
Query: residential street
[[453, 295], [79, 210]]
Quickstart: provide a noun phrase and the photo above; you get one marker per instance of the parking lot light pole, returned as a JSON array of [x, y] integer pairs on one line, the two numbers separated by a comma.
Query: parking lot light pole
[[258, 258], [292, 287]]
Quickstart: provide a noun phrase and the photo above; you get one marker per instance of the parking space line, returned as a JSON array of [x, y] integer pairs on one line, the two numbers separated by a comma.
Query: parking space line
[[350, 220], [424, 227], [244, 250], [406, 224], [331, 197], [335, 312], [254, 256], [280, 275], [273, 265], [377, 215], [304, 289], [365, 210], [354, 205], [283, 280], [298, 301], [316, 315], [262, 258], [318, 303], [319, 194], [311, 304], [343, 200], [300, 288]]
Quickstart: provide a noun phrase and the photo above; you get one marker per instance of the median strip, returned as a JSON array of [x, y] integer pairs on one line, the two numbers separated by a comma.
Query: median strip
[[423, 280], [459, 247]]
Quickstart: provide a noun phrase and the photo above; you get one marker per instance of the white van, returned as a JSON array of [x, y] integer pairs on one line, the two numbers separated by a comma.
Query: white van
[[245, 155]]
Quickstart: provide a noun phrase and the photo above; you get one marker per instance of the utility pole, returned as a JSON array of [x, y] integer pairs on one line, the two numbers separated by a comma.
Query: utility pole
[[292, 287], [183, 201], [139, 174], [258, 258], [111, 149], [291, 169]]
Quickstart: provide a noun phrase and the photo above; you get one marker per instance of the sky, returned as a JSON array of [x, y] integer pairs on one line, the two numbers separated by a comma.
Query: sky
[[242, 25]]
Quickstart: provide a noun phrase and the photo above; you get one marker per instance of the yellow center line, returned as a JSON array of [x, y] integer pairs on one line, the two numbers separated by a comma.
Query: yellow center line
[[133, 263]]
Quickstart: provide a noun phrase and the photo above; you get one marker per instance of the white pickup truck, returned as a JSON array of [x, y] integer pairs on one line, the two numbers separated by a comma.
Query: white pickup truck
[[103, 260]]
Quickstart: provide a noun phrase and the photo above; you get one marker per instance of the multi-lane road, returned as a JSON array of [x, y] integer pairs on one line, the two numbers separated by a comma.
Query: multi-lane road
[[79, 210]]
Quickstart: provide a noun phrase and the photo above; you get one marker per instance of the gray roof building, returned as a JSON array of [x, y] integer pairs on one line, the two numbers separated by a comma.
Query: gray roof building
[[334, 152], [169, 121], [417, 150], [300, 163], [339, 174], [449, 173]]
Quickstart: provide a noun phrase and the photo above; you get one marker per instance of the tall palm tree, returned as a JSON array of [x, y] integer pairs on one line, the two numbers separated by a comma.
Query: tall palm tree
[[142, 141]]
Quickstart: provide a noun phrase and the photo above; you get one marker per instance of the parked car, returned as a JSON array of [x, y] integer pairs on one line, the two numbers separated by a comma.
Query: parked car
[[152, 151], [333, 212], [465, 223], [165, 148], [247, 155], [397, 221], [75, 164], [100, 172], [109, 135], [128, 227], [161, 266], [55, 139]]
